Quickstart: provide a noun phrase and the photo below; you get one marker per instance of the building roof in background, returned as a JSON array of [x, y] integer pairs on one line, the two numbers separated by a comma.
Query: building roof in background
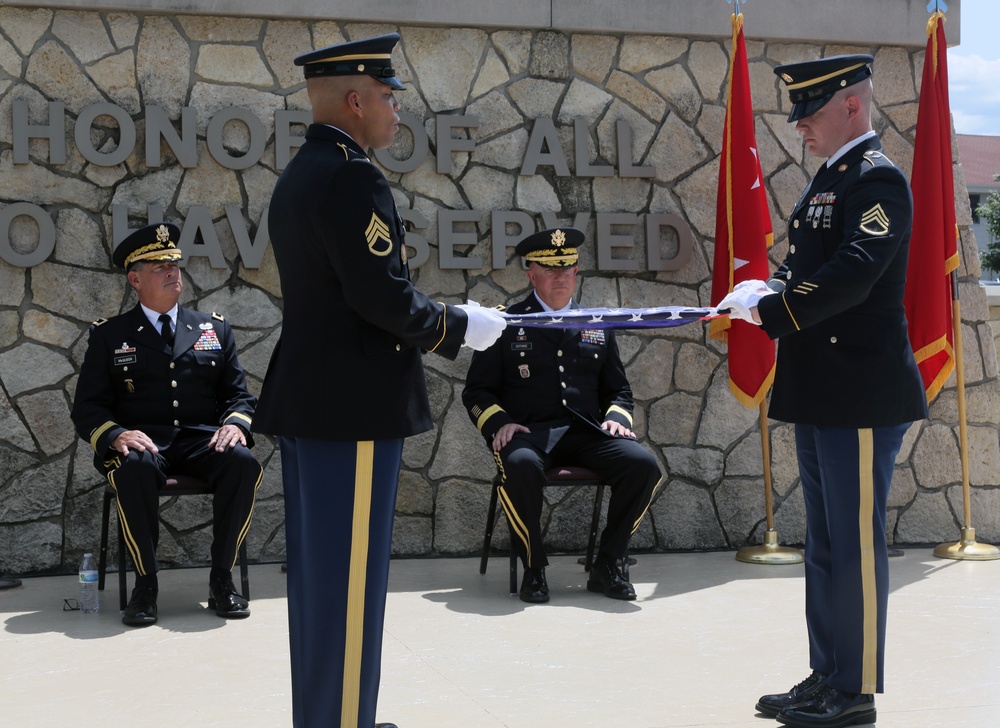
[[980, 158]]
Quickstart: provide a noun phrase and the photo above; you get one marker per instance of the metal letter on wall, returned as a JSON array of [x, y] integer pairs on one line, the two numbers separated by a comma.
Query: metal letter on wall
[[251, 253], [448, 238], [54, 131], [184, 146], [654, 242], [46, 234], [447, 145], [581, 149], [284, 140], [623, 132], [421, 146], [608, 240], [580, 220], [199, 219], [501, 239], [258, 138], [126, 134], [543, 132]]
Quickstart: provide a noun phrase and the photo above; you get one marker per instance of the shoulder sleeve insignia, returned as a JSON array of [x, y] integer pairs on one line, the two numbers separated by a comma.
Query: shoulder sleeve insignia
[[377, 234], [218, 316], [875, 222]]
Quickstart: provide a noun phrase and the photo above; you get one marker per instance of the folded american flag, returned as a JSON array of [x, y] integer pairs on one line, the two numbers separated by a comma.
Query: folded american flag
[[612, 318]]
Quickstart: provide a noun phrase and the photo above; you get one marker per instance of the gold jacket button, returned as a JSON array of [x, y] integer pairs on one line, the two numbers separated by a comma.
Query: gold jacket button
[[791, 250], [788, 275], [173, 383], [177, 423], [795, 224], [833, 339], [559, 353], [398, 347], [171, 365], [176, 403]]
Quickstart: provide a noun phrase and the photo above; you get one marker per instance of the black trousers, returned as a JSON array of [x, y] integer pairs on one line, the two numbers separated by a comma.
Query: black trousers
[[138, 478], [627, 467]]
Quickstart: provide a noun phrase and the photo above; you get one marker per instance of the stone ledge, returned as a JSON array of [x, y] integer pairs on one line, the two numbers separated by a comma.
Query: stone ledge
[[856, 21]]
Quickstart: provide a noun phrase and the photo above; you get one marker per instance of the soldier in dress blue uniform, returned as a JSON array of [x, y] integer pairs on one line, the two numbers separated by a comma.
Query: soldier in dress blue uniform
[[345, 384], [546, 397], [845, 376], [161, 392]]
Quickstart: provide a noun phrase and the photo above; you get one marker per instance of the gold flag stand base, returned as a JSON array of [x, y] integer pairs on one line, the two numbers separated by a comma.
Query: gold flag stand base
[[967, 548], [769, 552]]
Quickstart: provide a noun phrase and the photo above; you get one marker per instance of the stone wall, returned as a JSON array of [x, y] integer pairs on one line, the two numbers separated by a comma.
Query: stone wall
[[670, 90]]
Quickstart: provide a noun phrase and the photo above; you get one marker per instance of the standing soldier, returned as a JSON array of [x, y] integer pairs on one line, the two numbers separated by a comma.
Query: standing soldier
[[846, 378]]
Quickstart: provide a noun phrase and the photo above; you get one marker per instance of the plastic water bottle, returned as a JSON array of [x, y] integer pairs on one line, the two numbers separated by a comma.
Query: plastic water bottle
[[89, 601]]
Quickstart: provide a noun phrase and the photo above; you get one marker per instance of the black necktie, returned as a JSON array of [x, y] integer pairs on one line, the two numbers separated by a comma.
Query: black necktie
[[165, 331]]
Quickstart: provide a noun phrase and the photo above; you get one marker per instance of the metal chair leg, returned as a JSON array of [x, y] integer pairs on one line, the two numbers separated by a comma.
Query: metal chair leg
[[594, 522], [102, 560], [244, 575], [491, 517]]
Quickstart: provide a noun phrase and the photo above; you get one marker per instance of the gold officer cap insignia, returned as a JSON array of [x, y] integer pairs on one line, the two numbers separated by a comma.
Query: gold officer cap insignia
[[558, 238]]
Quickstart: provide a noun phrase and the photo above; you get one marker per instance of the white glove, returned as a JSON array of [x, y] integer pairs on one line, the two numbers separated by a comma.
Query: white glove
[[742, 299], [484, 327], [750, 283]]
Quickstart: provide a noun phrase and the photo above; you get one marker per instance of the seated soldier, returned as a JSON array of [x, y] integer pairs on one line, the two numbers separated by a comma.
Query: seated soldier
[[161, 392], [549, 397]]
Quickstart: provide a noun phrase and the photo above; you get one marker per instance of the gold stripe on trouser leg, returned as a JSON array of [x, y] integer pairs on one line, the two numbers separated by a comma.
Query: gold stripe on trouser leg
[[652, 494], [133, 547], [517, 525], [246, 524], [869, 588], [357, 575]]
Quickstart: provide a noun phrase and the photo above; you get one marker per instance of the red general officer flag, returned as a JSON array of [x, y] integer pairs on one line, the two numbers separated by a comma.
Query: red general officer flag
[[933, 244], [742, 233]]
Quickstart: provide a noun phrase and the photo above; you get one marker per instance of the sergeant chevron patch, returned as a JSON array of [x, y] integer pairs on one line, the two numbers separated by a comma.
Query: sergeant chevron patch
[[378, 230], [875, 222]]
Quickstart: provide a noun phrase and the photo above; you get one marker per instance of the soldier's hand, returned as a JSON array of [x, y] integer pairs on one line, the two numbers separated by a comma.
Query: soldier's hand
[[484, 325], [136, 440], [617, 429], [227, 436], [742, 302], [505, 434]]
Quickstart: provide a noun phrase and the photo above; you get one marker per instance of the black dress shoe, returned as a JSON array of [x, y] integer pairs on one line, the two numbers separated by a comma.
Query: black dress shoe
[[385, 725], [534, 588], [141, 609], [225, 600], [771, 705], [606, 577], [830, 708]]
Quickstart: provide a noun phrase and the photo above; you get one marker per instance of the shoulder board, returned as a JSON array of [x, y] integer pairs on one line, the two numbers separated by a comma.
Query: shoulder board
[[874, 157], [352, 154], [99, 322], [218, 316]]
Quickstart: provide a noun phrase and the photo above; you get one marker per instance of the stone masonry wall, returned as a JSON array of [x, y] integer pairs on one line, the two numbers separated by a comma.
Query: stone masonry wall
[[670, 90]]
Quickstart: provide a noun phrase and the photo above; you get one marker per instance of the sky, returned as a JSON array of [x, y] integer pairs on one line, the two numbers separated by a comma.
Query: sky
[[974, 69]]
